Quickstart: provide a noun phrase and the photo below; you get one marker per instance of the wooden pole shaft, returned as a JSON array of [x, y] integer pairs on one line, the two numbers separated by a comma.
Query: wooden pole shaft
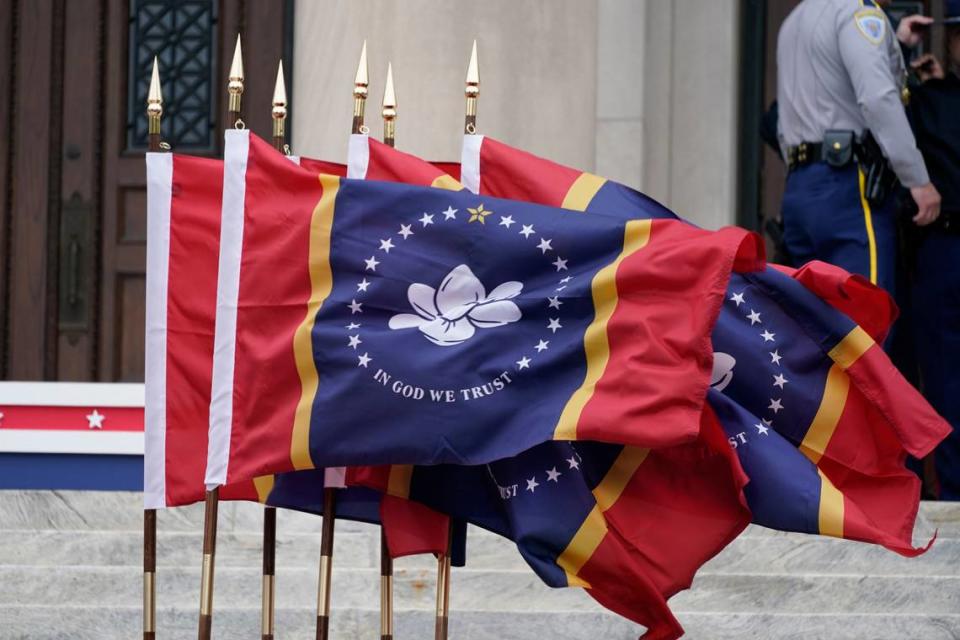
[[268, 606], [211, 505], [326, 564], [443, 590], [149, 574], [386, 589]]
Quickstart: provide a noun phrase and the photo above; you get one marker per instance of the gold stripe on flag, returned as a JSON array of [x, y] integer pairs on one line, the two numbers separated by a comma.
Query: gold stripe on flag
[[321, 283]]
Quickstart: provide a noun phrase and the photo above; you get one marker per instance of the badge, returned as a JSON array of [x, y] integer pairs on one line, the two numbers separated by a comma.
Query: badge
[[872, 24]]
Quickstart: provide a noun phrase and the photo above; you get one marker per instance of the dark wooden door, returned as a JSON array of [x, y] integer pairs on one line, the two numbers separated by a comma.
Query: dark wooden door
[[73, 205]]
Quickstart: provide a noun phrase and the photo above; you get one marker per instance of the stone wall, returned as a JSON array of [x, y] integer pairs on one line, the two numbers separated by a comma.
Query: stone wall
[[642, 91]]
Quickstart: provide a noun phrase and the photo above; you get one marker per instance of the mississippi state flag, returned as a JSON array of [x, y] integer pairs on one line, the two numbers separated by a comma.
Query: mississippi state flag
[[678, 506], [820, 418], [363, 322]]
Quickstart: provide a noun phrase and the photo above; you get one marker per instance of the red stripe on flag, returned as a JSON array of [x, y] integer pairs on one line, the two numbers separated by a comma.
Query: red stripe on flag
[[276, 239], [47, 418], [390, 165], [509, 172]]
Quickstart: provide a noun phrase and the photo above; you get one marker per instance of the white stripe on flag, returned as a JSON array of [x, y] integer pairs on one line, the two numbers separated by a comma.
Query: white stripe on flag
[[470, 162], [228, 288], [358, 156], [159, 190]]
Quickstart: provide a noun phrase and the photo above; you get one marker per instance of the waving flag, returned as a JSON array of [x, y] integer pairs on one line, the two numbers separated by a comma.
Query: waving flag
[[183, 247], [681, 496], [371, 323], [832, 461]]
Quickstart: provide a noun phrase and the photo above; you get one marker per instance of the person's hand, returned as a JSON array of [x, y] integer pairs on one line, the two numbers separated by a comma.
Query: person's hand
[[927, 66], [928, 203], [911, 35]]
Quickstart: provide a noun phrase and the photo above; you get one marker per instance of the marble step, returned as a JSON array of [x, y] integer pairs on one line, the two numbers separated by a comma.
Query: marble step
[[122, 511], [484, 590], [115, 623], [750, 553]]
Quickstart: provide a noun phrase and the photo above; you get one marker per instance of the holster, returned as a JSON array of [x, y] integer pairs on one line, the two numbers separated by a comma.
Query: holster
[[879, 178]]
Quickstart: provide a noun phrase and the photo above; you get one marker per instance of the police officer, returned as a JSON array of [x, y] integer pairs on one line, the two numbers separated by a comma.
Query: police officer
[[845, 137], [935, 113]]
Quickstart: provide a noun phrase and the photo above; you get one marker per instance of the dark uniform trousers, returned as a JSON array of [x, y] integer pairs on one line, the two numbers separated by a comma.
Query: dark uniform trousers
[[936, 320], [826, 217]]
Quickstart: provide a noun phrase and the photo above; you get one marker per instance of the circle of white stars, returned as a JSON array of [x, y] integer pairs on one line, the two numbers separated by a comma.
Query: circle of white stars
[[769, 341], [373, 267]]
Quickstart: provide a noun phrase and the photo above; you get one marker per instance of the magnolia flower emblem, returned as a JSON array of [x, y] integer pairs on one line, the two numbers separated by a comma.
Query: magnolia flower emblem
[[722, 375], [451, 313]]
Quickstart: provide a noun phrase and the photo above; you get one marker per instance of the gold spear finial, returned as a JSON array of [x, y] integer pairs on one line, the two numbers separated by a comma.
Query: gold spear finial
[[389, 108], [235, 83], [360, 91], [154, 100], [472, 91], [279, 105]]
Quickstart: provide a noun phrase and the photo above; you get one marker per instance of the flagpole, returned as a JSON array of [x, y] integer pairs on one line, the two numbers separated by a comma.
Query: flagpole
[[212, 498], [329, 493], [268, 588], [389, 114], [154, 114], [235, 87]]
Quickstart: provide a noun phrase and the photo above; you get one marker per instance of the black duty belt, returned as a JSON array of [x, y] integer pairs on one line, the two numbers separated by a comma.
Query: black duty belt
[[838, 148]]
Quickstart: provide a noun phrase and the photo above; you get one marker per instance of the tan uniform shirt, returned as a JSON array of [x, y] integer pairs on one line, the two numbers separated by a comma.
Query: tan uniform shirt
[[839, 66]]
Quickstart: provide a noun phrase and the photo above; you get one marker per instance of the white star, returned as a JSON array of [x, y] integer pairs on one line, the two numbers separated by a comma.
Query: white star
[[405, 231], [737, 298], [95, 420], [554, 302], [386, 245], [527, 230], [364, 360], [775, 357], [506, 221], [426, 219], [352, 326], [544, 245], [560, 264], [754, 317], [372, 263], [362, 285], [779, 380], [572, 461], [450, 213], [523, 363], [554, 324], [542, 345], [767, 422], [767, 336], [355, 307], [560, 288], [762, 430], [553, 475], [355, 341], [775, 405], [566, 280], [532, 484]]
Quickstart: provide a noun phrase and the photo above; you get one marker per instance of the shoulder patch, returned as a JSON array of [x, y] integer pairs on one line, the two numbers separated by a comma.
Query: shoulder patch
[[872, 24]]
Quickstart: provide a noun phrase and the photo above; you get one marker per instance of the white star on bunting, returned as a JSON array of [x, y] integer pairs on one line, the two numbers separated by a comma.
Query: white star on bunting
[[426, 219], [767, 336], [386, 245], [405, 231], [779, 380], [554, 302], [560, 264], [364, 360], [354, 341], [542, 345], [362, 285], [544, 245], [95, 420], [450, 213], [737, 298], [553, 475], [355, 307], [572, 461], [775, 405], [506, 221], [532, 484], [372, 263], [527, 230], [523, 363], [775, 357], [352, 326], [761, 430], [754, 317], [554, 324]]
